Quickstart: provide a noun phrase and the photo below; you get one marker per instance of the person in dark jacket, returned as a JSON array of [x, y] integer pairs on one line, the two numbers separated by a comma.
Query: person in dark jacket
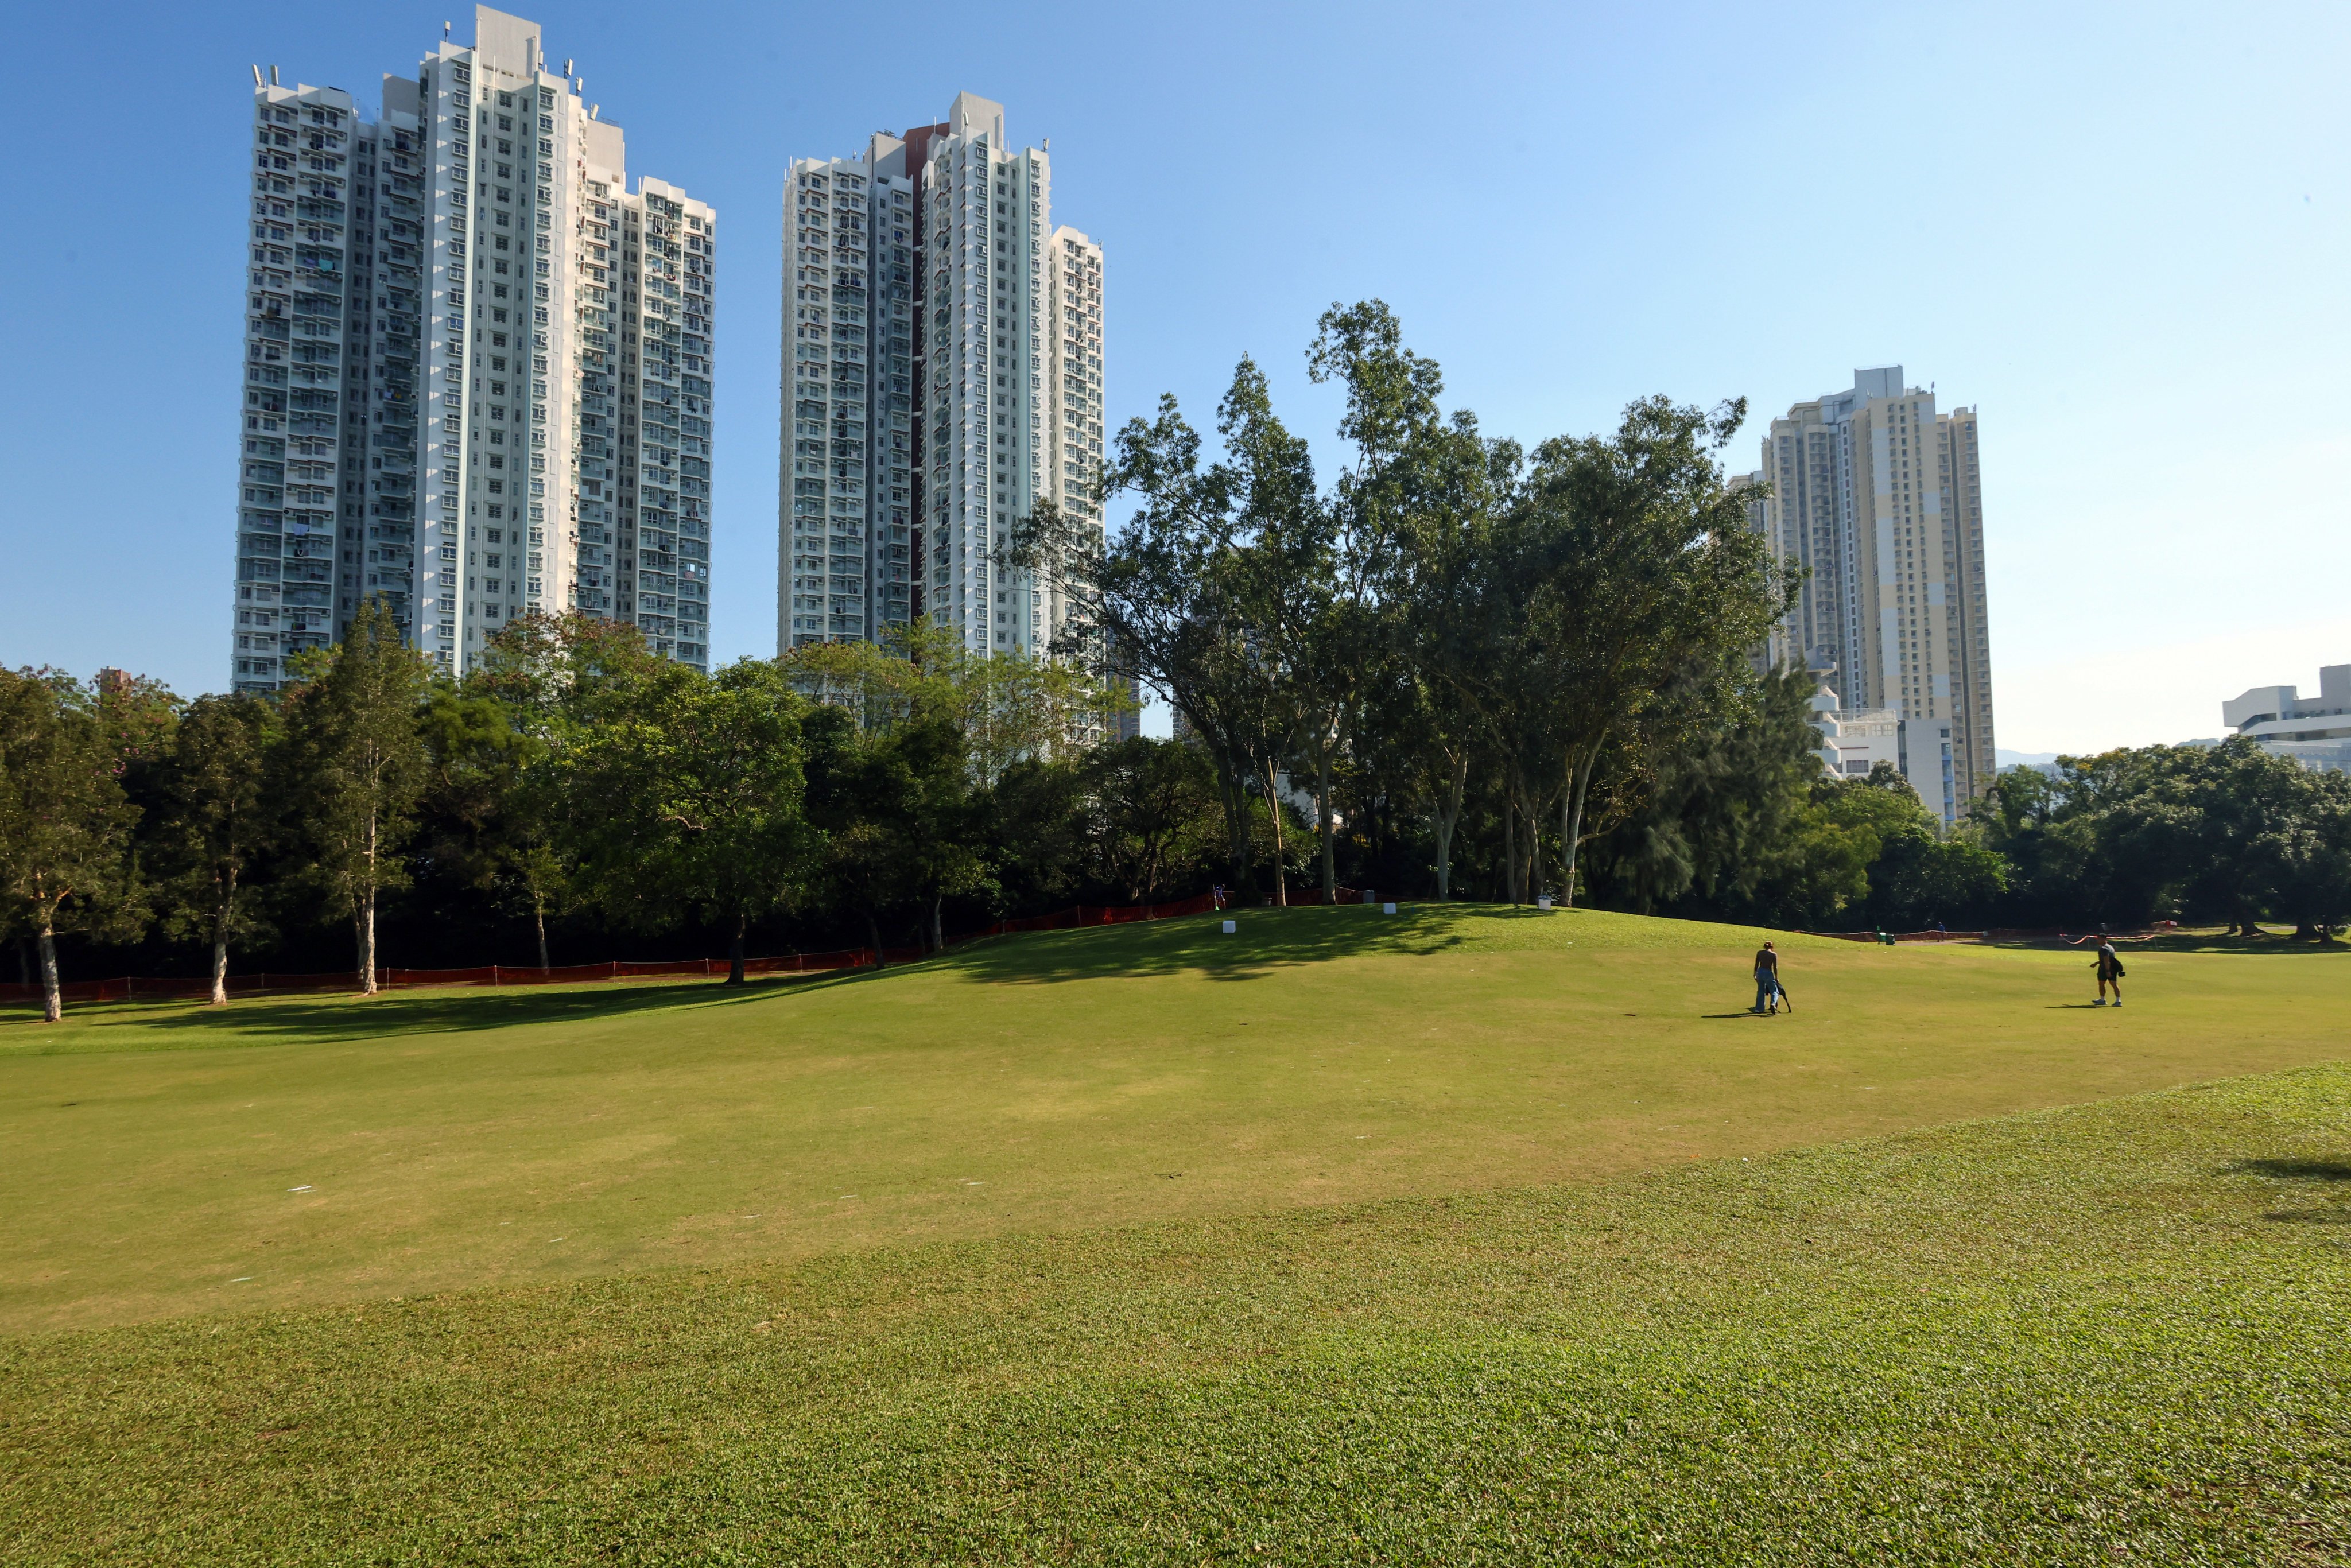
[[1767, 980], [2110, 972]]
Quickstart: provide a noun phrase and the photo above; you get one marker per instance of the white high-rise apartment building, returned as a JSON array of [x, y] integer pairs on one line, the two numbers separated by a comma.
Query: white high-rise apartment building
[[477, 366], [942, 368], [1879, 500]]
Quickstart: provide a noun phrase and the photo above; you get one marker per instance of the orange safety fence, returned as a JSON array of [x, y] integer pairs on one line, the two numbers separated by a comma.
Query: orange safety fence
[[142, 988], [1104, 914]]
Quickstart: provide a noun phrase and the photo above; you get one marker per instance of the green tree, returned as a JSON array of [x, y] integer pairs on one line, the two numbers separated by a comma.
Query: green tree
[[861, 802], [1876, 832], [1920, 875], [2227, 832], [360, 766], [1322, 563], [1174, 595], [1645, 573], [1449, 614], [919, 732], [1719, 825], [66, 822], [2259, 833], [488, 808], [686, 798], [554, 680], [2310, 880], [1150, 814], [218, 815]]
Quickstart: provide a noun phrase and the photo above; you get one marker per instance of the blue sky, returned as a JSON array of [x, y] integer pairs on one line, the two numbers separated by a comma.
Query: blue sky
[[2120, 231]]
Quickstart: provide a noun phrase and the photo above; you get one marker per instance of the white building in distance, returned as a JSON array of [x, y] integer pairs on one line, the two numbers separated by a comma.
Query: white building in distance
[[2315, 731], [1921, 749], [942, 377], [477, 366]]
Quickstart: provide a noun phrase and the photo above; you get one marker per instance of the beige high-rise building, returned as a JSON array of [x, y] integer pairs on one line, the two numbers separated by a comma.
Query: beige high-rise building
[[1878, 500], [1963, 546]]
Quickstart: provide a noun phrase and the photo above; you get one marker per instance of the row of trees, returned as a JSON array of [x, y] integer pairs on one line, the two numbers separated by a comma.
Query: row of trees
[[2228, 832], [1450, 617], [573, 775], [1459, 668]]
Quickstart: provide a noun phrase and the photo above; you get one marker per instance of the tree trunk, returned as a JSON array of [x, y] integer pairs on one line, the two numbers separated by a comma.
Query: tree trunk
[[1322, 809], [938, 920], [1233, 794], [53, 1000], [1534, 852], [365, 911], [1448, 817], [219, 942], [1566, 849], [874, 930], [735, 950], [538, 917], [366, 944], [1572, 829], [1273, 810], [1510, 846]]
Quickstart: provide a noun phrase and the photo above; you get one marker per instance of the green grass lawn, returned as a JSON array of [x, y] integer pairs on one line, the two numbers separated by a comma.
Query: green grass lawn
[[1460, 1236], [1044, 1082]]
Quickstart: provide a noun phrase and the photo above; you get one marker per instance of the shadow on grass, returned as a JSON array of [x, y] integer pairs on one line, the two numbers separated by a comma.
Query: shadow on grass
[[2291, 1169], [273, 1020], [2179, 942], [2265, 946], [2268, 946], [2298, 1170], [1267, 940]]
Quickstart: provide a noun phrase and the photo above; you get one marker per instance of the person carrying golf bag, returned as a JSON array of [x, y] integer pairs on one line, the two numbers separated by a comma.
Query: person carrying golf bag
[[1769, 992], [2110, 972]]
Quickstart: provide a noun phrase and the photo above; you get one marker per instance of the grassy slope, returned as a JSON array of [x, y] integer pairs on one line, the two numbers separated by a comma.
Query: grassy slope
[[2099, 1334], [1049, 1082]]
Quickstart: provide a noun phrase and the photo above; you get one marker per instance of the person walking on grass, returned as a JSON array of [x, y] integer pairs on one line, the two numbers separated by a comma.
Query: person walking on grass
[[2110, 972], [1767, 981]]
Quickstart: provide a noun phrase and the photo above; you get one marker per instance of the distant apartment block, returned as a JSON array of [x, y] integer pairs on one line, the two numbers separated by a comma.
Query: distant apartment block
[[2314, 731], [477, 366], [941, 378], [1876, 499], [1854, 741]]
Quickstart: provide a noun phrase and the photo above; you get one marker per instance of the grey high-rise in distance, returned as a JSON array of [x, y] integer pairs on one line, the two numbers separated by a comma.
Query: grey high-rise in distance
[[477, 366], [1880, 499]]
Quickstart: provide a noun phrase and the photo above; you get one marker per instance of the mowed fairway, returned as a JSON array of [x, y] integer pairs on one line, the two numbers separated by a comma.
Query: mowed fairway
[[173, 1160], [1463, 1236]]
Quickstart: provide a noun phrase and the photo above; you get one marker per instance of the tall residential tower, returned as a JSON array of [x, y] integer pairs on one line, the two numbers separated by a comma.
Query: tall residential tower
[[942, 377], [1878, 498], [477, 366]]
